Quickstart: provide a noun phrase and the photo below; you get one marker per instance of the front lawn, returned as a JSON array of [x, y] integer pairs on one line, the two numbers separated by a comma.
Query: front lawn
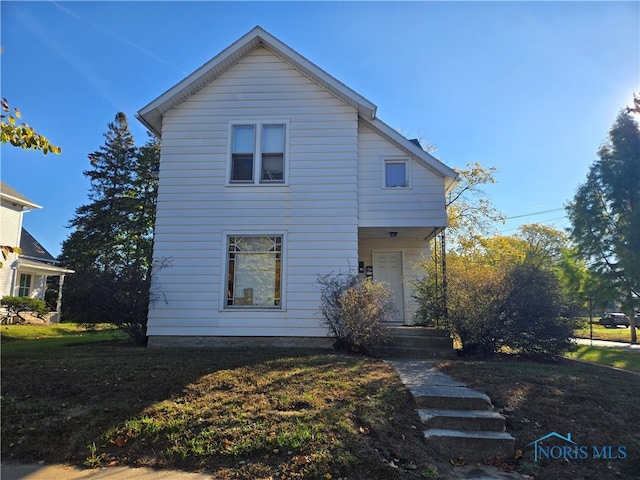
[[238, 413], [289, 413], [597, 405], [600, 332]]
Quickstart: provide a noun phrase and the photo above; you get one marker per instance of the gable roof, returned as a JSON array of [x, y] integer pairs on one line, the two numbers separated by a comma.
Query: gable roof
[[13, 196], [151, 114], [31, 248]]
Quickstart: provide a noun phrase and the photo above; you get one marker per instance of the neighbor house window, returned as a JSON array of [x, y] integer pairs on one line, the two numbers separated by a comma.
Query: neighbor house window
[[258, 153], [24, 288], [395, 174], [254, 266]]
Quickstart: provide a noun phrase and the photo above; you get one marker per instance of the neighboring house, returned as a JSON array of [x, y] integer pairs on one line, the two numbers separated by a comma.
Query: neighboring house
[[273, 172], [24, 275]]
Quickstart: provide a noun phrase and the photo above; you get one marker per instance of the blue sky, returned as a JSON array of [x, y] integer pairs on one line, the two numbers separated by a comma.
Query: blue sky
[[530, 88]]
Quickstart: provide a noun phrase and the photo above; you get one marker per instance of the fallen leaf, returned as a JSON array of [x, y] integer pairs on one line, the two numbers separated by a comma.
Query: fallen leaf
[[364, 430], [518, 454], [301, 459], [119, 441], [458, 462]]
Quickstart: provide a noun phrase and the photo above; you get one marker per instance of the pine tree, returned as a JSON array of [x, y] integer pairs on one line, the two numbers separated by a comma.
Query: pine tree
[[111, 245], [605, 213]]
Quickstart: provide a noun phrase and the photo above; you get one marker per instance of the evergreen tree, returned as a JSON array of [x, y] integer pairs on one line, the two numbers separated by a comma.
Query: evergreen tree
[[111, 246], [605, 213]]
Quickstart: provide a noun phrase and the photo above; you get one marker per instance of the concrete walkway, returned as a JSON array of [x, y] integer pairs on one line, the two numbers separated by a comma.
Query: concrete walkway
[[606, 343], [65, 472], [420, 376]]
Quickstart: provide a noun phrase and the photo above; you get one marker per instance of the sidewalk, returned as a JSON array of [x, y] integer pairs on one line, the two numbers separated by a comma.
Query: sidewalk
[[65, 472], [606, 343]]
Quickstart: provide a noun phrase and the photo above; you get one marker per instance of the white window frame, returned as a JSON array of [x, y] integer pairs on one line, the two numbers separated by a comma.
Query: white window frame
[[407, 171], [257, 152], [20, 291], [224, 307]]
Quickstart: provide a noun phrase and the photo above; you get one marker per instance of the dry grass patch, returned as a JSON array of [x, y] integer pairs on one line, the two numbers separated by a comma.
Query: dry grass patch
[[597, 405], [238, 413]]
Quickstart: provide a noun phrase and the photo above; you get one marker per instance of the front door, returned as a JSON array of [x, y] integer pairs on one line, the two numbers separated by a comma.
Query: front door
[[387, 268]]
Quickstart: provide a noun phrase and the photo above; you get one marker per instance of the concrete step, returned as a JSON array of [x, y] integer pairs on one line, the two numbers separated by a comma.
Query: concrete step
[[473, 446], [479, 420], [420, 341], [450, 398], [419, 331], [392, 351]]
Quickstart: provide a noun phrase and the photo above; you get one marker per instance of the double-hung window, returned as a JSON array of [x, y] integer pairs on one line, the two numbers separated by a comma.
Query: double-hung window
[[258, 152], [254, 271]]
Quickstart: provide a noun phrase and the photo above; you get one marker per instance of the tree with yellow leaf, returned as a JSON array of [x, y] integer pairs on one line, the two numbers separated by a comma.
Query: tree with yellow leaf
[[22, 135]]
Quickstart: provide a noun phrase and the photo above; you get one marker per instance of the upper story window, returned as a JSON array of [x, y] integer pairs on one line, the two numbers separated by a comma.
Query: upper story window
[[258, 153], [396, 174]]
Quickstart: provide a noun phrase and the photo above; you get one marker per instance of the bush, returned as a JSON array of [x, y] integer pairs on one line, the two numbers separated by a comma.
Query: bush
[[516, 307], [356, 311], [17, 305]]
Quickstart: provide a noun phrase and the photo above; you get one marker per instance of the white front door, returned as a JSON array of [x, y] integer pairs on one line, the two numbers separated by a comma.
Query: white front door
[[387, 268]]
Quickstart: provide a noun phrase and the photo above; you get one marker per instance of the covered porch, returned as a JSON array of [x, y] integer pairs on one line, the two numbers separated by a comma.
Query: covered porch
[[394, 255]]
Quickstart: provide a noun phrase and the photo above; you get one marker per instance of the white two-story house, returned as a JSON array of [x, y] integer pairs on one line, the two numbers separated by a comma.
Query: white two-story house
[[24, 275], [273, 172]]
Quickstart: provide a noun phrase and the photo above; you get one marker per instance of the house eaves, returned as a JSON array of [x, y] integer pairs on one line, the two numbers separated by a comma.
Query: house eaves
[[414, 149], [11, 195], [151, 115]]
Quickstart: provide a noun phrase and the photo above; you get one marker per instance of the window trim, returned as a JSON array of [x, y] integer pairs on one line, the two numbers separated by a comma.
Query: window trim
[[408, 173], [257, 152], [223, 307]]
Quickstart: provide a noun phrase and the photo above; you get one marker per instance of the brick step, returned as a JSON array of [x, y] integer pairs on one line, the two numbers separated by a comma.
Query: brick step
[[474, 446], [479, 420], [450, 398]]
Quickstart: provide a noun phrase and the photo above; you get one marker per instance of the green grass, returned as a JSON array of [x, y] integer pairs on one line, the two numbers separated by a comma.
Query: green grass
[[26, 338], [611, 357], [600, 332]]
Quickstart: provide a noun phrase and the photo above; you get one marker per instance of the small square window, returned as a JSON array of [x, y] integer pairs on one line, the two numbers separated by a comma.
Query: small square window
[[395, 174]]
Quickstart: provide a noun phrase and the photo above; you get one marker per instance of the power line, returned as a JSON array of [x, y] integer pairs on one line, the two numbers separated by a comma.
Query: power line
[[535, 213]]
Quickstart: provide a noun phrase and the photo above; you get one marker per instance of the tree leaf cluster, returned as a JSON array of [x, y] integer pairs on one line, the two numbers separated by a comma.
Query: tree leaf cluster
[[22, 135]]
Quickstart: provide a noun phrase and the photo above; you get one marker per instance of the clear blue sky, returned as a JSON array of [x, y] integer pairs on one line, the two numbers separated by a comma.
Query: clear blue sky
[[531, 88]]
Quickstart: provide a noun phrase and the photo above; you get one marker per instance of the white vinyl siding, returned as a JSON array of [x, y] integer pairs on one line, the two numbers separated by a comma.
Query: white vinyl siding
[[418, 206], [10, 230], [316, 211]]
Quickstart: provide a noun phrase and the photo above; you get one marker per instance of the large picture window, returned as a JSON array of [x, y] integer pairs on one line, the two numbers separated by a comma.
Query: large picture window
[[254, 266], [258, 153]]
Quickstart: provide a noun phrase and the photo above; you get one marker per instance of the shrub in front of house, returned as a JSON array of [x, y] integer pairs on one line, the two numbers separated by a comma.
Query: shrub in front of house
[[17, 305], [356, 311]]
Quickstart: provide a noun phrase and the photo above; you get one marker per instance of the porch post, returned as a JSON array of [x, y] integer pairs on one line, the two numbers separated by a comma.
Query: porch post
[[59, 305]]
